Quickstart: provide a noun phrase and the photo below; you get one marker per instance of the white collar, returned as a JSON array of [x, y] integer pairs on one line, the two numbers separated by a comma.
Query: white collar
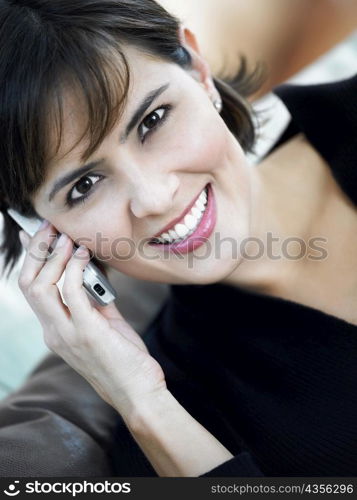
[[272, 119]]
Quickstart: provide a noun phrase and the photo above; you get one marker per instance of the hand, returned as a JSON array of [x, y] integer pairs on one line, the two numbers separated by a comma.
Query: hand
[[94, 340]]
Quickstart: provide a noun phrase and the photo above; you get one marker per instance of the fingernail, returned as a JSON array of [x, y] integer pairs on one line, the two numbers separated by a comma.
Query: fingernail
[[62, 240], [45, 223], [24, 238], [82, 250]]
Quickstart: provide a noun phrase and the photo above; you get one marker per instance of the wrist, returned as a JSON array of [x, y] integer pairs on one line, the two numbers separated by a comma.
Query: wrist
[[174, 442], [136, 413], [151, 407]]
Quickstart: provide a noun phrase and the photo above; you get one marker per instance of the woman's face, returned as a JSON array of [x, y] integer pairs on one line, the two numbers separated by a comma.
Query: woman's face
[[150, 170]]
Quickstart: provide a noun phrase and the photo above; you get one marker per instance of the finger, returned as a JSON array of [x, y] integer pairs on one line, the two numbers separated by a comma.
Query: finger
[[55, 265], [109, 311], [52, 306], [73, 291], [36, 254], [24, 238], [115, 319]]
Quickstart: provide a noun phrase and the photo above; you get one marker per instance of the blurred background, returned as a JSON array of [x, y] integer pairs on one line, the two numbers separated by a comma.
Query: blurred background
[[21, 344]]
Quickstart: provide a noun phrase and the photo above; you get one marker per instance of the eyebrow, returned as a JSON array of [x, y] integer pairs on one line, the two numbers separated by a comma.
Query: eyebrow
[[74, 174]]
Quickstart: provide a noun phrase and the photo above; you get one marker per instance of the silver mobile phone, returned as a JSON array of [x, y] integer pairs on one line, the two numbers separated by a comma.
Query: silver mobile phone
[[94, 281]]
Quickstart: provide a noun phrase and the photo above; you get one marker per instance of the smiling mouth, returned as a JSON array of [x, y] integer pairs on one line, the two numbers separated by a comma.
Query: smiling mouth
[[187, 225]]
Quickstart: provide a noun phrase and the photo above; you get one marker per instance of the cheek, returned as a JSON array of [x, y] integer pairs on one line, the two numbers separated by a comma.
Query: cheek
[[199, 146], [91, 232]]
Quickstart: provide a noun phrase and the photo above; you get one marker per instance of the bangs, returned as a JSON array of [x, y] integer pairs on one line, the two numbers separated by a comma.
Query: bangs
[[100, 82], [90, 66]]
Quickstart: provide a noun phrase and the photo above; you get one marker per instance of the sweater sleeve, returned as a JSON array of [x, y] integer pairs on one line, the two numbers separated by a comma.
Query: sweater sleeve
[[242, 465]]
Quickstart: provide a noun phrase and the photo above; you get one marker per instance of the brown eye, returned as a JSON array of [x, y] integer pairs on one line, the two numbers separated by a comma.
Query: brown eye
[[152, 121], [82, 188], [84, 185]]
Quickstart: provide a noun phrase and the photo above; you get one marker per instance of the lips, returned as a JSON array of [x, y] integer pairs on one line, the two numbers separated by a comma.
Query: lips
[[200, 234], [172, 224]]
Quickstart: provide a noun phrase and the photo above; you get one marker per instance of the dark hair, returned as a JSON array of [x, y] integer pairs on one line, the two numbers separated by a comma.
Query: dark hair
[[49, 44]]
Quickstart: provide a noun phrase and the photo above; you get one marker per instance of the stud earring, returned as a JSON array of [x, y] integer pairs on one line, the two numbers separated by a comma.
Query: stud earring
[[217, 103]]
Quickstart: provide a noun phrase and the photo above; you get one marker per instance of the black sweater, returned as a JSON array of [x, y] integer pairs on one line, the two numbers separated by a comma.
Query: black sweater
[[274, 381]]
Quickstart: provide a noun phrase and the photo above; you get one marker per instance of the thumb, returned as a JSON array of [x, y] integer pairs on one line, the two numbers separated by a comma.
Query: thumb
[[110, 311], [118, 322]]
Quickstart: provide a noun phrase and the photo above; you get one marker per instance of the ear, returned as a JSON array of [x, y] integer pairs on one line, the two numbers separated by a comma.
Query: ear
[[200, 68]]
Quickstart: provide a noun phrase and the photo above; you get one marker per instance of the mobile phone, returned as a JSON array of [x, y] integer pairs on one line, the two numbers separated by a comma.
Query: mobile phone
[[94, 281]]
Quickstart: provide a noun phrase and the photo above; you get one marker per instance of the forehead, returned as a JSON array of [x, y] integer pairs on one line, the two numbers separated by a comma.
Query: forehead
[[145, 71]]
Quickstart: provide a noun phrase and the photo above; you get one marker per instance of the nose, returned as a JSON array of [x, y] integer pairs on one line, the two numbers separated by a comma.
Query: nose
[[153, 196]]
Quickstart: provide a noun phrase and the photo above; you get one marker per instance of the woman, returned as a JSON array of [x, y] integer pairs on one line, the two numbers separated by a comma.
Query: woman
[[214, 388]]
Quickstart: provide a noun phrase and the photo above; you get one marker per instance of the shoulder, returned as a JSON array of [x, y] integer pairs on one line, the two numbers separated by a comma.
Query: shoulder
[[327, 115]]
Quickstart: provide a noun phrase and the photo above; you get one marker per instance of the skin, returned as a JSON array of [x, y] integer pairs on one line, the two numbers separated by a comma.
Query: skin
[[148, 185], [152, 183], [144, 187]]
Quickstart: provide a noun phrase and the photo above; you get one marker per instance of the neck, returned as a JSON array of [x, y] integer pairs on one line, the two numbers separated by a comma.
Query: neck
[[293, 203]]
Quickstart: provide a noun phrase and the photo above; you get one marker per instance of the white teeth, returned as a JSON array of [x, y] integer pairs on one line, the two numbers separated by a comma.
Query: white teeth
[[173, 234], [181, 230], [190, 221], [203, 197], [200, 205], [196, 213], [166, 236]]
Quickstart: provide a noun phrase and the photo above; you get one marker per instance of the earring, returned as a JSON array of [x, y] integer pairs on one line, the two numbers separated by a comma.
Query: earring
[[218, 105]]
